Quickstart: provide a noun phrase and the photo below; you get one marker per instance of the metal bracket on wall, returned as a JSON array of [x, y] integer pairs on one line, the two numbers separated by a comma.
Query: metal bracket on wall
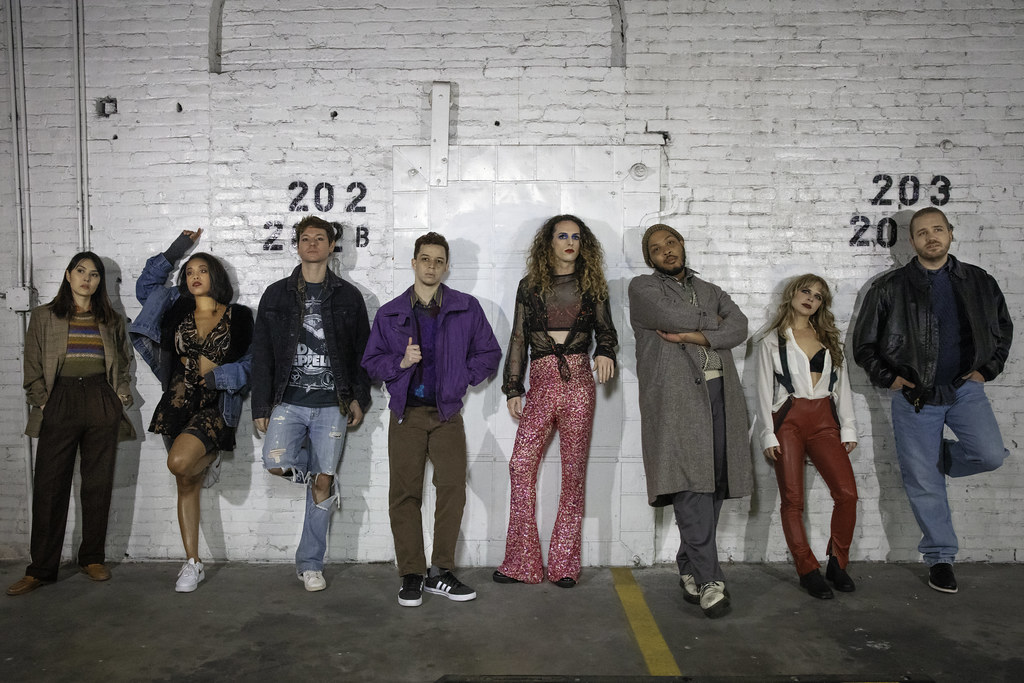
[[440, 111]]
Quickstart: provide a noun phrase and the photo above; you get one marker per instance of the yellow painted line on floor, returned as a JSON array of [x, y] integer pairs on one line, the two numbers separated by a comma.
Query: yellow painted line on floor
[[660, 661]]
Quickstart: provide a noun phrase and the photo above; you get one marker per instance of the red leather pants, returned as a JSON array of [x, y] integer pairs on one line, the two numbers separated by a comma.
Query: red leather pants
[[810, 428]]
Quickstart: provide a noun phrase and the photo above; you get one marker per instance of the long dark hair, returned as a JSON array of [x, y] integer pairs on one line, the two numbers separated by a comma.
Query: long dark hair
[[63, 305], [221, 290], [540, 263]]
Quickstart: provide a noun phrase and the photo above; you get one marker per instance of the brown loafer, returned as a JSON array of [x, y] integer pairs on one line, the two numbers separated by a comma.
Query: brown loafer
[[96, 572], [24, 585]]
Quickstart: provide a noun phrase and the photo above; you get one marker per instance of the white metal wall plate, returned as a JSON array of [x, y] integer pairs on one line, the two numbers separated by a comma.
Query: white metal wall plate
[[495, 200]]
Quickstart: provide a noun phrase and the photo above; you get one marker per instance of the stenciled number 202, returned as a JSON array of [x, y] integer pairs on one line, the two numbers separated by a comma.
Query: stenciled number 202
[[323, 200]]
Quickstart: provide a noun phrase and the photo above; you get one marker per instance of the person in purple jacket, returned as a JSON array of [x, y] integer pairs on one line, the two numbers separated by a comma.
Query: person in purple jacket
[[429, 345]]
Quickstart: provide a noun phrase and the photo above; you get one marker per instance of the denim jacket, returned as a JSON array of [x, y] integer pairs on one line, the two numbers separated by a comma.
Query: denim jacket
[[230, 379], [278, 322]]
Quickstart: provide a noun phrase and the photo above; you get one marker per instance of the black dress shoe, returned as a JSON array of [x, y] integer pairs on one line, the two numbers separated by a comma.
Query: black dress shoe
[[503, 578], [941, 578], [566, 582], [815, 585], [838, 576]]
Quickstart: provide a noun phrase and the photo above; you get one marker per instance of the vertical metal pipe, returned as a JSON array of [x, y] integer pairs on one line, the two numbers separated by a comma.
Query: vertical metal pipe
[[23, 215], [81, 133]]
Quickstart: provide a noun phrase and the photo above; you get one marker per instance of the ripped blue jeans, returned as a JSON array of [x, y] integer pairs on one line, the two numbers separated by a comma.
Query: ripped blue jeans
[[305, 442]]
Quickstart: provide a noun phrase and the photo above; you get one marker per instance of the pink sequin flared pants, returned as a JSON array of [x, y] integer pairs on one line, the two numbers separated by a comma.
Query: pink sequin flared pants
[[569, 406]]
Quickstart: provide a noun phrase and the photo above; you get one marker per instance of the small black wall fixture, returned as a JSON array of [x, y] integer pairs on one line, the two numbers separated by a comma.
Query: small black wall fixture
[[106, 106]]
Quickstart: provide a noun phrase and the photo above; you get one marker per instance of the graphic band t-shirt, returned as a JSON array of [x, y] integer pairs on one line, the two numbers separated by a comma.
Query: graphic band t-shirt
[[311, 382]]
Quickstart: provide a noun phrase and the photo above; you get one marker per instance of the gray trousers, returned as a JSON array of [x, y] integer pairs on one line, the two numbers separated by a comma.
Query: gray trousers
[[697, 513]]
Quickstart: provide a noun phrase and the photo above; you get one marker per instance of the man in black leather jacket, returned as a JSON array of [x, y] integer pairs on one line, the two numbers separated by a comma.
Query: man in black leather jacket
[[934, 331]]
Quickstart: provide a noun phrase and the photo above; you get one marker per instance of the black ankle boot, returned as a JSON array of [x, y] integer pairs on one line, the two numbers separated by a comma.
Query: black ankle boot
[[815, 585], [838, 576]]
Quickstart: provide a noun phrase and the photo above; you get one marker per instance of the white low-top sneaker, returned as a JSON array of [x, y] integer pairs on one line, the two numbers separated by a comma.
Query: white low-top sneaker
[[189, 577], [714, 599], [690, 591], [313, 580]]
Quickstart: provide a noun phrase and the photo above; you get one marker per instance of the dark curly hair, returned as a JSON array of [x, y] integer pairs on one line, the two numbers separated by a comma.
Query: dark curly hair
[[434, 238], [540, 263]]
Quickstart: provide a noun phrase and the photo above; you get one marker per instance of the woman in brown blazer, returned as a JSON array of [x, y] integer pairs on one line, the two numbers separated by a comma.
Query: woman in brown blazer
[[76, 381]]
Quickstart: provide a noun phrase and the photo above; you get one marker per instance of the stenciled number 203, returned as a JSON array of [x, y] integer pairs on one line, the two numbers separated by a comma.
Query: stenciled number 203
[[908, 193]]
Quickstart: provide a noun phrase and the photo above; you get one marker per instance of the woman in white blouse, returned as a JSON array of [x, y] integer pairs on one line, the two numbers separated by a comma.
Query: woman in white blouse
[[805, 408]]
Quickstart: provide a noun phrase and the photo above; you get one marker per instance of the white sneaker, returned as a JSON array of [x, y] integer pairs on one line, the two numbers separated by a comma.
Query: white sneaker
[[313, 580], [690, 591], [714, 600], [212, 475], [189, 577]]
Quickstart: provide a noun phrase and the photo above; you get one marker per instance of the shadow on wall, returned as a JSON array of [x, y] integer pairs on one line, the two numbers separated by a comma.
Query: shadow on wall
[[487, 398], [625, 365], [126, 469], [897, 521], [764, 497], [356, 469]]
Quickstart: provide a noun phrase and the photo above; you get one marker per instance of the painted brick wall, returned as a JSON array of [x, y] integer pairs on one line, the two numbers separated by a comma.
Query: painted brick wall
[[781, 114], [407, 33], [778, 118]]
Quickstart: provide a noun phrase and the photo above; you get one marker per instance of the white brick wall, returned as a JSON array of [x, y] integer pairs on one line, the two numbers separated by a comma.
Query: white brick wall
[[779, 116]]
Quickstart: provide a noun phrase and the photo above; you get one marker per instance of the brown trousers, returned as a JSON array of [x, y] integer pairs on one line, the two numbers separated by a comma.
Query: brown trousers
[[421, 436], [81, 414]]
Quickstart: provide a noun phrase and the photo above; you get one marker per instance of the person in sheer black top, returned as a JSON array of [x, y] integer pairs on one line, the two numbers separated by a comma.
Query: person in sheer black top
[[561, 305]]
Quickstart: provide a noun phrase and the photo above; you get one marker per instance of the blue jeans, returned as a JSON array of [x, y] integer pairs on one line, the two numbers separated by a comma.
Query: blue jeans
[[305, 442], [926, 458]]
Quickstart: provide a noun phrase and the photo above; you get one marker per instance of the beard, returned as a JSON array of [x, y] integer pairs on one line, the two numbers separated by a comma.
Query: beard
[[673, 272]]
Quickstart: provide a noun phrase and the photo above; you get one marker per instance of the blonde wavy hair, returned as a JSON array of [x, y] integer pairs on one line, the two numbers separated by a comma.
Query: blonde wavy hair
[[540, 263], [822, 322]]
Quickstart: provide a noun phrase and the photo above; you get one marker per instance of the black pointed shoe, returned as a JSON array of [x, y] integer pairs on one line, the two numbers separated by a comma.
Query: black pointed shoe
[[498, 577], [815, 584], [838, 576]]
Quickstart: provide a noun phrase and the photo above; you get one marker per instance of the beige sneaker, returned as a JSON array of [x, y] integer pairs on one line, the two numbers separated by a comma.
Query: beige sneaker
[[313, 580], [690, 591], [713, 599]]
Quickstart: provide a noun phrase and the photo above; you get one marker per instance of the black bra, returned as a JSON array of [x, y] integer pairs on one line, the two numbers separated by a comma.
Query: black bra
[[818, 361]]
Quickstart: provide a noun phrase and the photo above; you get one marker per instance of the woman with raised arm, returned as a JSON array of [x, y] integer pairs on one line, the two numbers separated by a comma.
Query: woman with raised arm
[[77, 378], [561, 306], [805, 408], [197, 343]]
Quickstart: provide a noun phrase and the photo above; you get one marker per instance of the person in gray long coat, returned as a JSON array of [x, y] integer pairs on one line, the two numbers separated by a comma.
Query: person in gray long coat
[[693, 413]]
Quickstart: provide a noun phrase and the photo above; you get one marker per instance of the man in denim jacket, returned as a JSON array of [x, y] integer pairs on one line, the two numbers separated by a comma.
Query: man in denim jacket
[[429, 345], [307, 385]]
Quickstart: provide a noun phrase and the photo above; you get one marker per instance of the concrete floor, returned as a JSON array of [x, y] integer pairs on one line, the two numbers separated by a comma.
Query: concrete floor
[[255, 621]]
